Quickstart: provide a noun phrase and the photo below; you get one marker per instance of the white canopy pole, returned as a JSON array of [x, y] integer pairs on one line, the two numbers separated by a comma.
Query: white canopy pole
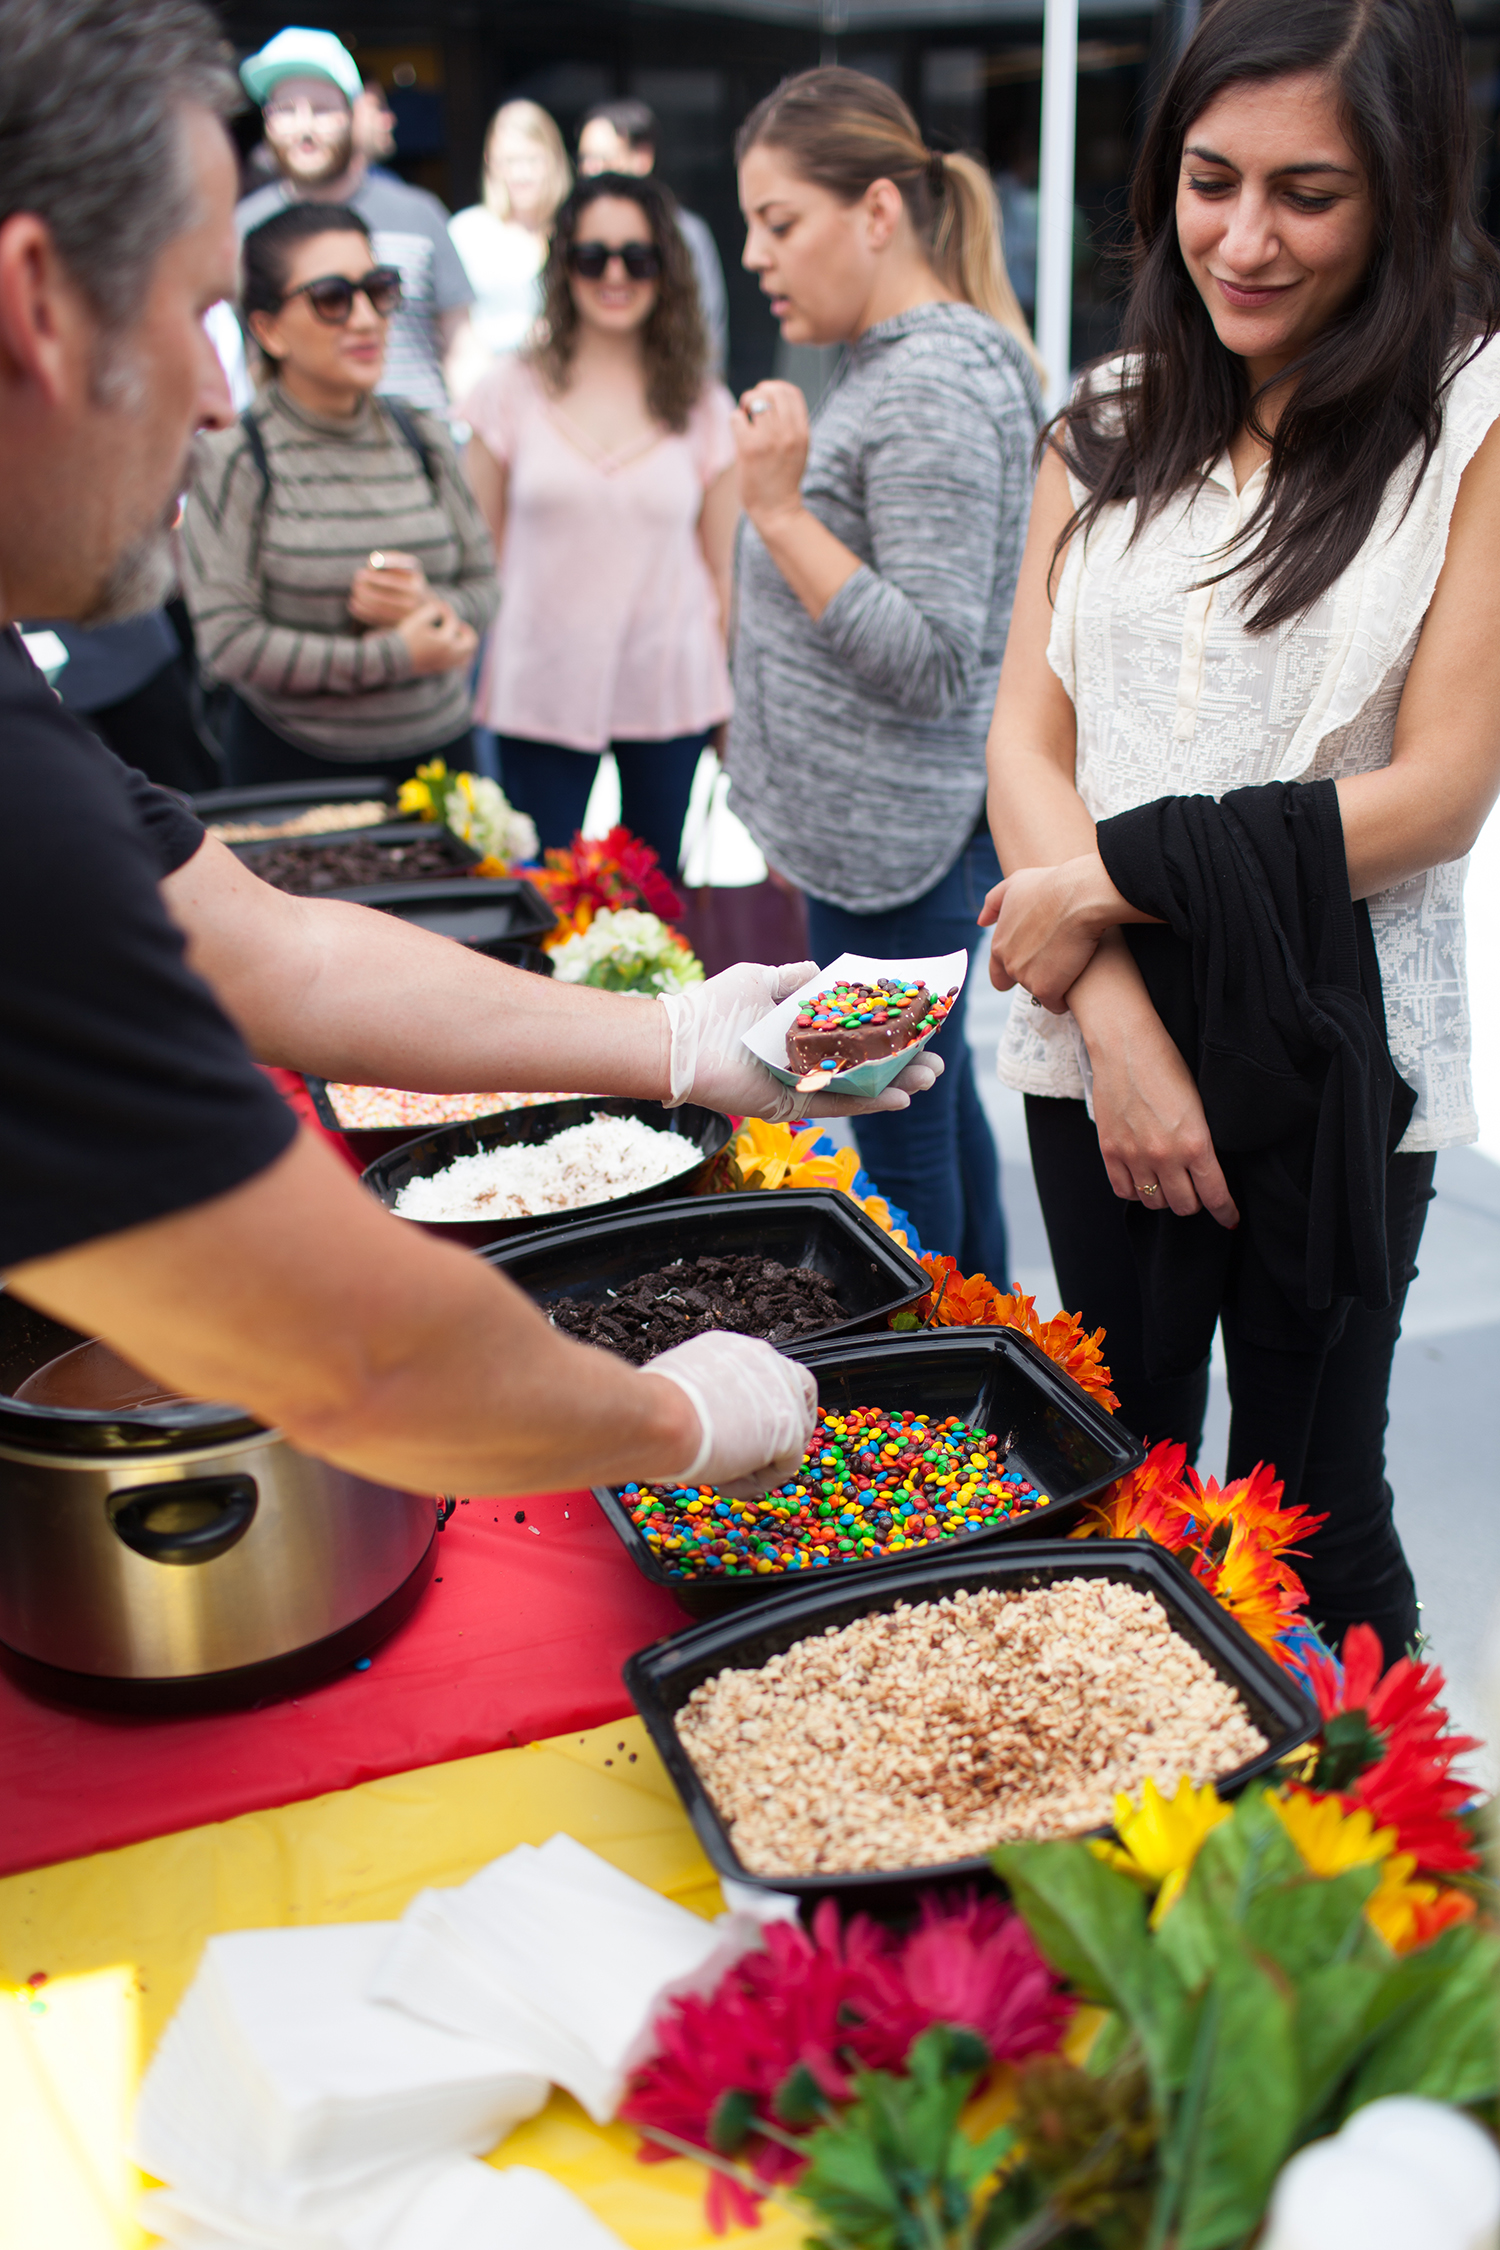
[[1054, 264]]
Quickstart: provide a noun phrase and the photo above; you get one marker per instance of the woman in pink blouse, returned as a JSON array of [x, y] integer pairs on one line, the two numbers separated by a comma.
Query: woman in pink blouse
[[604, 460]]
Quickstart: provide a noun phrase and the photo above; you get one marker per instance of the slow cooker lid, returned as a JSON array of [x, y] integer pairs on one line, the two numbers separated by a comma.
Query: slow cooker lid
[[30, 1339]]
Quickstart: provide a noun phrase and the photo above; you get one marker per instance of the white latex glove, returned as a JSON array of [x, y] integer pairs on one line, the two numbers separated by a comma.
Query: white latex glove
[[756, 1410], [710, 1064]]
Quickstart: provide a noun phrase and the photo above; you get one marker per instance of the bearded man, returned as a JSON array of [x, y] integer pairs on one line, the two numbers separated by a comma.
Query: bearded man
[[308, 84]]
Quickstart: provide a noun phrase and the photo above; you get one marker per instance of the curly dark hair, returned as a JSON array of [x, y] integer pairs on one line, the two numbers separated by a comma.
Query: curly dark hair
[[674, 339]]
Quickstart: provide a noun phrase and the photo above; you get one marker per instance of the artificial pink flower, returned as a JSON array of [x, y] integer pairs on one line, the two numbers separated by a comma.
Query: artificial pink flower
[[972, 1963], [832, 2001]]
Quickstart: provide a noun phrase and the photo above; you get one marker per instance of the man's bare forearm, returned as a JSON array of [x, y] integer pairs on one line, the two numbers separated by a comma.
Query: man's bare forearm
[[369, 1344], [349, 993]]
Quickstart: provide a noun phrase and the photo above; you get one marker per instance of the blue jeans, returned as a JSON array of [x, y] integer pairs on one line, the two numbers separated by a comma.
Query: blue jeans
[[938, 1158], [656, 781]]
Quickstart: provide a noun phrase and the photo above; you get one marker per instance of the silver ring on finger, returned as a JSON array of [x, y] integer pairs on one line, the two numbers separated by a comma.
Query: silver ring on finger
[[758, 406]]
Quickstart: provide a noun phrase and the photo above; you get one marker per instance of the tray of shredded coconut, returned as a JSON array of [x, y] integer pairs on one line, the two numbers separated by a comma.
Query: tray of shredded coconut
[[510, 1173]]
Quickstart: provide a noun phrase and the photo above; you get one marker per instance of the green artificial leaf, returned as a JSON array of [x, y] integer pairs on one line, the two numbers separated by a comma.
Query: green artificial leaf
[[1349, 1744], [1089, 1921], [1236, 2116], [1107, 2046], [1312, 1921], [894, 2171], [1333, 2009], [731, 2122], [901, 1321], [799, 2099], [1432, 2026]]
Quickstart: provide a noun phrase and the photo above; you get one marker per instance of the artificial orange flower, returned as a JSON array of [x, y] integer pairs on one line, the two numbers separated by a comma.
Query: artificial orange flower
[[1254, 1585], [1149, 1501], [1253, 1503], [972, 1301]]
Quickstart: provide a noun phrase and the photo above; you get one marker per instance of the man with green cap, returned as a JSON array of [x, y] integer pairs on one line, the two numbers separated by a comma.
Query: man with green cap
[[307, 83]]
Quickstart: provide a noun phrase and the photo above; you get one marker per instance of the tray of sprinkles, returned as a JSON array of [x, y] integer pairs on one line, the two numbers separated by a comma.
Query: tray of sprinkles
[[858, 1023], [952, 1439]]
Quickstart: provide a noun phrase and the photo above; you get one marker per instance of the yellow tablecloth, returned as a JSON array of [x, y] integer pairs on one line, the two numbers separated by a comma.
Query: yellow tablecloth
[[118, 1936]]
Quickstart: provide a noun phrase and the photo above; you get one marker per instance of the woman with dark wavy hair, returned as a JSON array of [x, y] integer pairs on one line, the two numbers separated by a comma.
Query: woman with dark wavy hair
[[604, 461], [1247, 730]]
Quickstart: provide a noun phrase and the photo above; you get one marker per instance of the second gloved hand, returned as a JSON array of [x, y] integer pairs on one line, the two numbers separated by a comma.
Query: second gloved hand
[[711, 1064], [756, 1411]]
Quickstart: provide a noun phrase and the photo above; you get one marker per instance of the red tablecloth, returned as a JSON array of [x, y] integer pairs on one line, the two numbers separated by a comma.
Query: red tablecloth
[[522, 1638]]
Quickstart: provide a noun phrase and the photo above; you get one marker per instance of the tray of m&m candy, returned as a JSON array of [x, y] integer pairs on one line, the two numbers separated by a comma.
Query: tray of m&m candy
[[922, 1442], [858, 1023]]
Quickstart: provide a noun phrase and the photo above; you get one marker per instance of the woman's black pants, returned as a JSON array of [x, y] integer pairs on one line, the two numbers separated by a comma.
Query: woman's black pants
[[1319, 1416]]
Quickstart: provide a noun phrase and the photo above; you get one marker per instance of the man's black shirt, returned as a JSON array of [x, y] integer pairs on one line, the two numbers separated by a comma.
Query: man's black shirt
[[125, 1091]]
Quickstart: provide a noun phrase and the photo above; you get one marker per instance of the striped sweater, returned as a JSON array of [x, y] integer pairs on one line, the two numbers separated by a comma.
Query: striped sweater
[[266, 575]]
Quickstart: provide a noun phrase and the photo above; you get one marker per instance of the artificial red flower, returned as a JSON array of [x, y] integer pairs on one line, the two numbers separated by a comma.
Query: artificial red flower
[[1412, 1790], [1406, 1781], [596, 871]]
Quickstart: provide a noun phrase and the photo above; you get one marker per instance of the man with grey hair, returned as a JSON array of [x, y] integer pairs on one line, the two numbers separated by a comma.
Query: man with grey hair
[[154, 1190]]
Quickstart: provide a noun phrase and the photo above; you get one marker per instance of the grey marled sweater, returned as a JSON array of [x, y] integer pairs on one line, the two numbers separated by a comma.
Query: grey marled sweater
[[856, 751]]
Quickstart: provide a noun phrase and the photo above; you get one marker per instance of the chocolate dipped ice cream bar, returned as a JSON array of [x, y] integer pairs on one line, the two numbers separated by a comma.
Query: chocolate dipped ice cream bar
[[851, 1024]]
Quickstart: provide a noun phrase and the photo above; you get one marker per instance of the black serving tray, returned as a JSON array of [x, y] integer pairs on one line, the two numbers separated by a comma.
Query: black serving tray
[[434, 1151], [492, 914], [268, 798], [389, 836], [997, 1380], [661, 1678], [873, 1275]]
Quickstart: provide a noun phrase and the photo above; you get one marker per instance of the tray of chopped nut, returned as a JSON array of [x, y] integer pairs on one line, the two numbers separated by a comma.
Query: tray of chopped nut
[[871, 1736]]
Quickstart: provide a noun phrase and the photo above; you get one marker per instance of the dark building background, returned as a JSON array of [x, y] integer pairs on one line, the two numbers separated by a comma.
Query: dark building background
[[971, 70]]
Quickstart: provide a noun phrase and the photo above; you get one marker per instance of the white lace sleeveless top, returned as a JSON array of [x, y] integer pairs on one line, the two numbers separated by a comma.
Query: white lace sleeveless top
[[1174, 697]]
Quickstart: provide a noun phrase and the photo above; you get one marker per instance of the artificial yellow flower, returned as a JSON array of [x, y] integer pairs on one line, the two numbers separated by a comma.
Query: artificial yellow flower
[[420, 795], [1163, 1838], [1330, 1839]]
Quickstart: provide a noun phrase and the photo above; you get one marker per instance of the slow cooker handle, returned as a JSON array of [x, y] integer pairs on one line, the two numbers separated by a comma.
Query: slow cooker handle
[[190, 1520]]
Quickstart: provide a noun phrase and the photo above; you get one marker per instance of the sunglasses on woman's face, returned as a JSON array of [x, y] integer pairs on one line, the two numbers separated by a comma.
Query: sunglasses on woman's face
[[590, 260], [332, 296]]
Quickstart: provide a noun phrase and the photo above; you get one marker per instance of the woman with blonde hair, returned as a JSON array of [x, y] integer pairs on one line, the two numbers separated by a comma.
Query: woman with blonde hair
[[876, 573], [503, 239]]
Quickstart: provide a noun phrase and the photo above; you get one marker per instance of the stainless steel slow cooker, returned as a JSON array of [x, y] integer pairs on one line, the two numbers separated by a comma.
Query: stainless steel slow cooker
[[183, 1558]]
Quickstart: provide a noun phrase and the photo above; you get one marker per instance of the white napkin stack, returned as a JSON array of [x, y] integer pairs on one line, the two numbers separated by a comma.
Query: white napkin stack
[[453, 2204], [277, 2085], [330, 2088], [561, 1958]]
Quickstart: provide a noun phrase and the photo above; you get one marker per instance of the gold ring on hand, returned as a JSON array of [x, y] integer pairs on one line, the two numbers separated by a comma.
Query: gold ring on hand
[[1149, 1187]]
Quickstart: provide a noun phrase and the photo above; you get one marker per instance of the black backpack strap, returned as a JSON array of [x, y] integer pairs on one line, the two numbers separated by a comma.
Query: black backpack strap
[[406, 422], [256, 444]]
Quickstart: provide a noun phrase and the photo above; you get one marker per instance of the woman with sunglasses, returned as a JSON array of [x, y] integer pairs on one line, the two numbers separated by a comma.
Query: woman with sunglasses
[[338, 572], [603, 457]]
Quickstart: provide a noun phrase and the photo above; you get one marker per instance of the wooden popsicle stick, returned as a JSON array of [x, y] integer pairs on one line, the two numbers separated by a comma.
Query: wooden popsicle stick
[[813, 1081]]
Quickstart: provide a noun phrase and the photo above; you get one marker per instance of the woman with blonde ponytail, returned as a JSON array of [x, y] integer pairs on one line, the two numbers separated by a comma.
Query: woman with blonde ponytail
[[877, 567]]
